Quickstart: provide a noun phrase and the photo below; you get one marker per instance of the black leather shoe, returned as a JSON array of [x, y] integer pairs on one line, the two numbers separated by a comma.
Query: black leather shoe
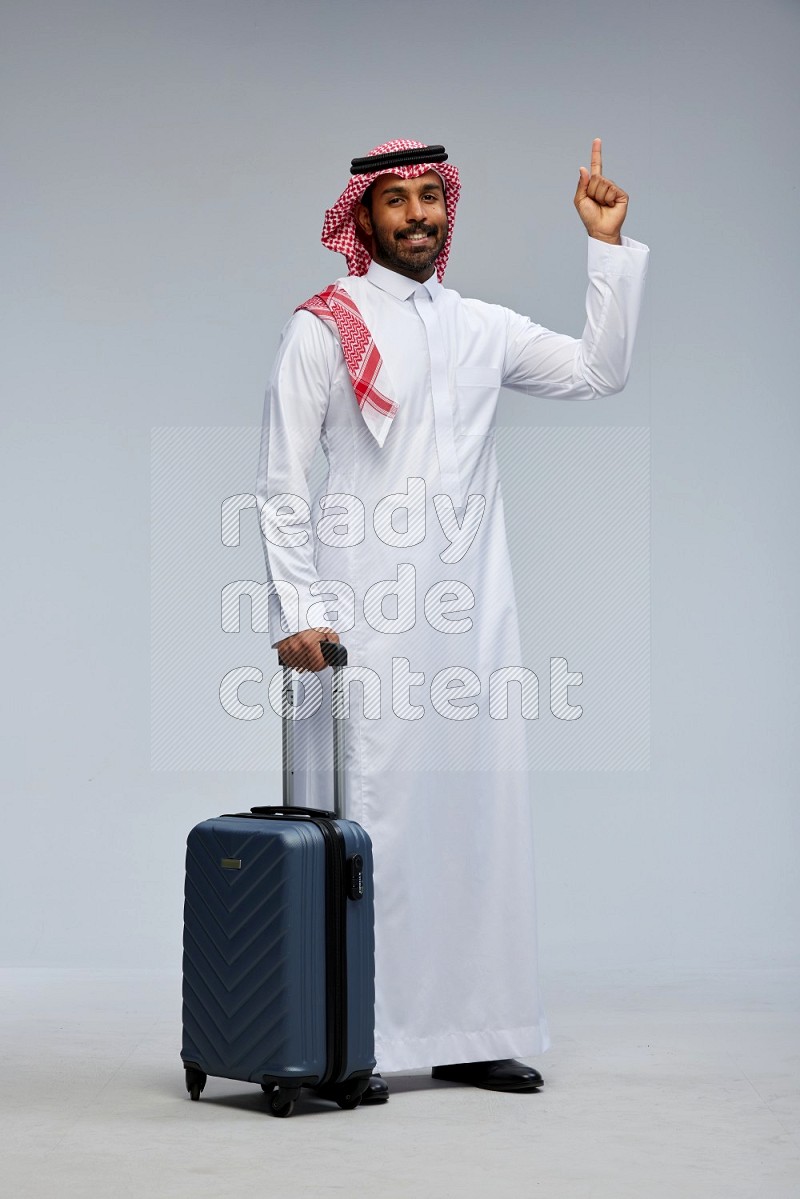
[[377, 1091], [506, 1075]]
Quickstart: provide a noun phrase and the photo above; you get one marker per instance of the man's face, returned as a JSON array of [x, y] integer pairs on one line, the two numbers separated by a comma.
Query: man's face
[[407, 223]]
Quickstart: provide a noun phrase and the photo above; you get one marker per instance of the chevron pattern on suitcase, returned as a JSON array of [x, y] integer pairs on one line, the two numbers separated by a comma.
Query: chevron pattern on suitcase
[[246, 1008]]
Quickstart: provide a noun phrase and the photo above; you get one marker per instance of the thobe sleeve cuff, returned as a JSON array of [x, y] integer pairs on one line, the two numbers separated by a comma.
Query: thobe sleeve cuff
[[295, 608], [630, 258]]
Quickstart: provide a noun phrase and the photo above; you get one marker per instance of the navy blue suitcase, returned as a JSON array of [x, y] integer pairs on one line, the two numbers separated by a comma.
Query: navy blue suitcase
[[278, 947]]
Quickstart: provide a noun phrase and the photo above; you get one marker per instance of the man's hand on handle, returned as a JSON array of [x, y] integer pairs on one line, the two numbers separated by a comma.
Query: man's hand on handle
[[301, 651], [601, 204]]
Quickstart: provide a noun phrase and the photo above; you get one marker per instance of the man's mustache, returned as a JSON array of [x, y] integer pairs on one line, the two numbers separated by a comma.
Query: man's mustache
[[428, 230]]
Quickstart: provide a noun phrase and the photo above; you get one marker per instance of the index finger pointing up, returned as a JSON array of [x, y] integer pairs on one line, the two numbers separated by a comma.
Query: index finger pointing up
[[597, 157]]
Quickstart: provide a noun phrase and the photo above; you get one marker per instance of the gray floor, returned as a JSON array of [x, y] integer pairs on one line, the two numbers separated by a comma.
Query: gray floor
[[665, 1084]]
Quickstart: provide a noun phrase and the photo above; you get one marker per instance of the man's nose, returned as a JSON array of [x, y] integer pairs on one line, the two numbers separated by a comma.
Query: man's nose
[[415, 210]]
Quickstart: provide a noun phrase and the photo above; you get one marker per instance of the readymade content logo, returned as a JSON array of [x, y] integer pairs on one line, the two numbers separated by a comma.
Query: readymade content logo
[[399, 521]]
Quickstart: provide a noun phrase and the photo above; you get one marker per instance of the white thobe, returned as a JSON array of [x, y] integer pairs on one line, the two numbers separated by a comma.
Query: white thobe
[[437, 773]]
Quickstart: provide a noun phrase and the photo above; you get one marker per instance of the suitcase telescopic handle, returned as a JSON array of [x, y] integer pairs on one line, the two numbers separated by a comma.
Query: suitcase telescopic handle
[[336, 657]]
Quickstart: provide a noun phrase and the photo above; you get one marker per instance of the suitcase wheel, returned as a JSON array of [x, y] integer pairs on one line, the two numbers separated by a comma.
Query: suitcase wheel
[[195, 1082], [348, 1094], [281, 1101]]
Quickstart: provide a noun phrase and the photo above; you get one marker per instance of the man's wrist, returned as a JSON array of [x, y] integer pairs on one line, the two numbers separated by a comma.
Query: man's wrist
[[609, 240]]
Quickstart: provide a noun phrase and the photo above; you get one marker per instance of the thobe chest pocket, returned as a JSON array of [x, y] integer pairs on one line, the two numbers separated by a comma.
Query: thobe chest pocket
[[476, 389]]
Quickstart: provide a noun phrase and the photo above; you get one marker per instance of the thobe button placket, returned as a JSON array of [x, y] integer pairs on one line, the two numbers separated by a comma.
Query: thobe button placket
[[442, 400]]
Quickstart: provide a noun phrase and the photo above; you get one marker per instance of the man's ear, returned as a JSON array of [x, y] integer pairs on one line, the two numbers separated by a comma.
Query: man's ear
[[363, 220]]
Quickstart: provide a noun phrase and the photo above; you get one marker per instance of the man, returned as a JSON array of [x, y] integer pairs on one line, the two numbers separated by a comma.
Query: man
[[403, 553]]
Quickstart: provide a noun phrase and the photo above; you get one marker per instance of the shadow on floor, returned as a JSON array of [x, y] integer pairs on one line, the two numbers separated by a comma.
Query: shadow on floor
[[256, 1101]]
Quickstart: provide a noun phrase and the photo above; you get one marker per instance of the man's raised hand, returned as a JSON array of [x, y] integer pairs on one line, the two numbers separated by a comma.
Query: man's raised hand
[[601, 204]]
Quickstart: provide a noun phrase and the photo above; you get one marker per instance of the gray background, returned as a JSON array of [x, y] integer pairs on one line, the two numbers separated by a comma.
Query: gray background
[[166, 168]]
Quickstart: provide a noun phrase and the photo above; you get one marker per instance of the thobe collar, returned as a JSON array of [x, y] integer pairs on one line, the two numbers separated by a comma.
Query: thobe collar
[[401, 286]]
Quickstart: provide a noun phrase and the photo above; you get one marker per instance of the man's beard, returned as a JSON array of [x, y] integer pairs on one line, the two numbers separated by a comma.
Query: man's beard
[[398, 253]]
